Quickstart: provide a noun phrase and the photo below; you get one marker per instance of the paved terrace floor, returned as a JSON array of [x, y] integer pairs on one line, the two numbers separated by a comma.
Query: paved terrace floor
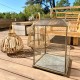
[[20, 68]]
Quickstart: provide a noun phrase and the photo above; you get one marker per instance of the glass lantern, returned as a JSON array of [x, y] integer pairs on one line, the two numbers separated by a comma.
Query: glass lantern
[[51, 52]]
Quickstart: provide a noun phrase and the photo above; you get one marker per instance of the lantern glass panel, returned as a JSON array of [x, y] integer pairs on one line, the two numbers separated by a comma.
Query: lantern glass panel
[[51, 52]]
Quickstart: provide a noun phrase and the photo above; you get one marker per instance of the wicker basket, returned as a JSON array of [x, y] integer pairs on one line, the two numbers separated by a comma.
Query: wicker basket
[[12, 43]]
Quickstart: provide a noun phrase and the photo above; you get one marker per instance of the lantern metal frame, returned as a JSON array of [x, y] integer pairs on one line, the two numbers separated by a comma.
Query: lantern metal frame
[[43, 62]]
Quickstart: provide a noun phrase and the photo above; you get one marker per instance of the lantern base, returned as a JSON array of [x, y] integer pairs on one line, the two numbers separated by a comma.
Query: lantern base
[[53, 63]]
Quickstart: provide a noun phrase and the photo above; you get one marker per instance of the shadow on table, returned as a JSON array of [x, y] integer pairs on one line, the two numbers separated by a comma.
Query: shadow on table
[[22, 54]]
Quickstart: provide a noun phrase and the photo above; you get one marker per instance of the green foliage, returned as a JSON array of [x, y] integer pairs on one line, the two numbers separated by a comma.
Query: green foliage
[[62, 3], [76, 3], [45, 16], [46, 3], [21, 16], [14, 15], [35, 6], [41, 2], [32, 9], [1, 15], [7, 15], [29, 2]]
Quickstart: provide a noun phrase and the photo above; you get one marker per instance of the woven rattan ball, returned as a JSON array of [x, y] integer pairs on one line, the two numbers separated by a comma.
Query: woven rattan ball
[[12, 43]]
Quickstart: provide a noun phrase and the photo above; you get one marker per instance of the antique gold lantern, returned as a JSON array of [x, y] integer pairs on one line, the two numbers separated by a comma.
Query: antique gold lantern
[[51, 52]]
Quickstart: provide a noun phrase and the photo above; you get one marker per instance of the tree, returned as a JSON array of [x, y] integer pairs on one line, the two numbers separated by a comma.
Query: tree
[[41, 2], [52, 3], [45, 4], [32, 9], [62, 3], [31, 2], [1, 15], [76, 3], [21, 16], [14, 15], [7, 15]]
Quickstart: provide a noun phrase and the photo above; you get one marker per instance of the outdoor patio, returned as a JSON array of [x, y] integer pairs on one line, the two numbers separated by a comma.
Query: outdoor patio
[[19, 66]]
